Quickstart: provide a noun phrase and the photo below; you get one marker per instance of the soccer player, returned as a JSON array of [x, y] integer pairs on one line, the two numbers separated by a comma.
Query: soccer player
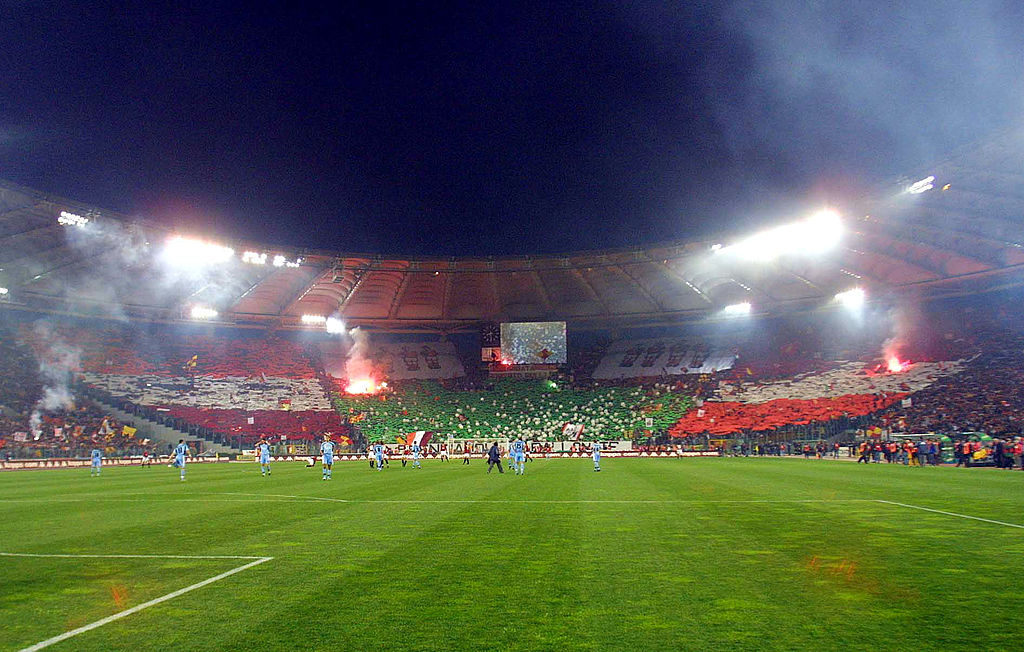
[[263, 448], [327, 450], [180, 453], [97, 460], [416, 456], [146, 459], [596, 451], [378, 454], [518, 451], [444, 452]]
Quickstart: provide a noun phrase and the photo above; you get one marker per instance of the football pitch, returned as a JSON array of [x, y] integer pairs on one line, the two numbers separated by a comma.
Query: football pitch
[[649, 554]]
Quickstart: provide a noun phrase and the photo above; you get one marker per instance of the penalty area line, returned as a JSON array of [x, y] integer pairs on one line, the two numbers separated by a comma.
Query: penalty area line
[[145, 605], [939, 511]]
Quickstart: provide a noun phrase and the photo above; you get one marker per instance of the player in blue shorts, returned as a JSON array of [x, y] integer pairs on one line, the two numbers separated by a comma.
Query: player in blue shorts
[[97, 461], [263, 450], [378, 454], [327, 450], [180, 453], [416, 456], [595, 449], [518, 450]]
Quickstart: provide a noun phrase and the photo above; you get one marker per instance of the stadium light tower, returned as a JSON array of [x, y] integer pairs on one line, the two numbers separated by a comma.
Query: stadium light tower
[[737, 309], [187, 252], [335, 326], [814, 235], [202, 312], [852, 299]]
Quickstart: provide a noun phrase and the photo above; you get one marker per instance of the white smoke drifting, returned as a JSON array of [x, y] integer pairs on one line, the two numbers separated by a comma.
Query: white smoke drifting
[[58, 361], [359, 366]]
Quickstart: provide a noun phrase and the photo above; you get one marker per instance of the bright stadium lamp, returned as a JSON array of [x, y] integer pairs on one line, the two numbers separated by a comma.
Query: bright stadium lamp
[[254, 258], [816, 234], [334, 326], [852, 299], [185, 252], [314, 320], [202, 312], [71, 219], [921, 186], [737, 309]]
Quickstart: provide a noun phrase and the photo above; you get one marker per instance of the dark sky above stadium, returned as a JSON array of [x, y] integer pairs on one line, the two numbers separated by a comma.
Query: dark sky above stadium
[[493, 127]]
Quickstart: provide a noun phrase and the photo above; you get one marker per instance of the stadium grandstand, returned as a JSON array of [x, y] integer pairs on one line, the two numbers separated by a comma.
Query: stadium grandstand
[[791, 332]]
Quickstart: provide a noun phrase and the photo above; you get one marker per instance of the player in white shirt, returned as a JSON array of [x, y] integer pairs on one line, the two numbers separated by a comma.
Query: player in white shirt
[[595, 450]]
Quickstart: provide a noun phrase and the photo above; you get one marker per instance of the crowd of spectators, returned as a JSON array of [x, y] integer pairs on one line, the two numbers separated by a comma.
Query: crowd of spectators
[[536, 409], [987, 396]]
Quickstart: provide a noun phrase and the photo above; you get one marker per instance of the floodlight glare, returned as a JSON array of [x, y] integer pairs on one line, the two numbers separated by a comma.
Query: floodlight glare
[[816, 234], [314, 319], [201, 312], [254, 258], [737, 309], [923, 185], [335, 326], [852, 299], [184, 251], [3, 291], [70, 219]]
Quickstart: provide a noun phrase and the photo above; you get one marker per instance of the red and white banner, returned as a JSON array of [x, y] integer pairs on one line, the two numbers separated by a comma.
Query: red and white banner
[[572, 431], [420, 437]]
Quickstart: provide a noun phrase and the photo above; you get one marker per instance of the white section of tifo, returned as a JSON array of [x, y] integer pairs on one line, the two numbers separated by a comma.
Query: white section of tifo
[[660, 357], [398, 360], [847, 378], [255, 561], [253, 393]]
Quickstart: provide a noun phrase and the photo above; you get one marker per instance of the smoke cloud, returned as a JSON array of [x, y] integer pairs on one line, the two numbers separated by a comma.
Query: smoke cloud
[[58, 361], [359, 365]]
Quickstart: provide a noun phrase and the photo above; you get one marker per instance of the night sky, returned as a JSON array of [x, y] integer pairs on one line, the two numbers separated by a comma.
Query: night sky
[[493, 127]]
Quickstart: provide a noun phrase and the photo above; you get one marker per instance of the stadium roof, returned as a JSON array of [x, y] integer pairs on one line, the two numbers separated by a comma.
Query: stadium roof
[[963, 238]]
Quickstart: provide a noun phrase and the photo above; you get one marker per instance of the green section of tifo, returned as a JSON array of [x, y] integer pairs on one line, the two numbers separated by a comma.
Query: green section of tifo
[[535, 409]]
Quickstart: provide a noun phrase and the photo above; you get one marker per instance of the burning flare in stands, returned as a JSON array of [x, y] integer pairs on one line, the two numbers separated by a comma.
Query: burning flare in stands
[[894, 365], [358, 366]]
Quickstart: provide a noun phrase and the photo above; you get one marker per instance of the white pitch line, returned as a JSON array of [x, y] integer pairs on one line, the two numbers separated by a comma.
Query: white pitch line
[[88, 556], [285, 498], [554, 502], [939, 511], [145, 605]]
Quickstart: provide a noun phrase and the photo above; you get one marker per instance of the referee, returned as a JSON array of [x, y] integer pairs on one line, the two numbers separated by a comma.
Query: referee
[[494, 458]]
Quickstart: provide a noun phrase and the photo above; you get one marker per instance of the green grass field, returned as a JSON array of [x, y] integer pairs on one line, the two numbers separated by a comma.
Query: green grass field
[[712, 554]]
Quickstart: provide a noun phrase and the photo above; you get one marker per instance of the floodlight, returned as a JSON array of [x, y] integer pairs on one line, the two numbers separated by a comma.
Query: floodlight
[[816, 234], [3, 291], [201, 312], [923, 185], [334, 326], [737, 309], [70, 219], [185, 251], [254, 258], [314, 319], [852, 299]]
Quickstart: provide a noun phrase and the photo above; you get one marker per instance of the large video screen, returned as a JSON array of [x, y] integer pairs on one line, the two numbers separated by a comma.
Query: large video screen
[[536, 342]]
